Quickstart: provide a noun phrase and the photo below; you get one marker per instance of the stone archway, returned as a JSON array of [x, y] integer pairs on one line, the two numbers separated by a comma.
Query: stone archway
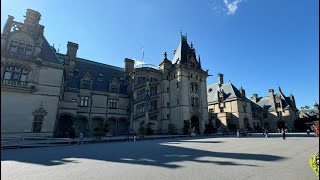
[[195, 124], [66, 126], [81, 125]]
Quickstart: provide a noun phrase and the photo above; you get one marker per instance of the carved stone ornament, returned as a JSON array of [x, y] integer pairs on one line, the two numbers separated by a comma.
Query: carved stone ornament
[[40, 111]]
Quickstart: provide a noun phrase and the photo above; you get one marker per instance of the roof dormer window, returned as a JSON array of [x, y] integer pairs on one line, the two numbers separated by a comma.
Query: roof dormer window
[[100, 78]]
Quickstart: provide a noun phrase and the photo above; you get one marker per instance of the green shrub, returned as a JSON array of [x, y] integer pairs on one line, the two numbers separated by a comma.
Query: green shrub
[[142, 128], [171, 128], [186, 127]]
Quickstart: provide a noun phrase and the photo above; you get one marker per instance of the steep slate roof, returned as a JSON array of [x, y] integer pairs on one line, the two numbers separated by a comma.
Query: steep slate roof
[[309, 112], [47, 53], [230, 92], [265, 103], [183, 51], [95, 69]]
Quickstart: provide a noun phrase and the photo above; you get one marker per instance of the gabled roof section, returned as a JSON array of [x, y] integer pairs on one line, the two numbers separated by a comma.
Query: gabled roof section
[[265, 103], [47, 53], [181, 53], [106, 72], [230, 92]]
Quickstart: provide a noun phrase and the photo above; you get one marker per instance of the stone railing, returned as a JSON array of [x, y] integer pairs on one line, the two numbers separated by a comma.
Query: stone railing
[[14, 83]]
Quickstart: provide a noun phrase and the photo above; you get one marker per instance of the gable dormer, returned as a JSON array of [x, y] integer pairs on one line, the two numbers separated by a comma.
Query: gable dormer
[[86, 81], [114, 85], [186, 54], [23, 39]]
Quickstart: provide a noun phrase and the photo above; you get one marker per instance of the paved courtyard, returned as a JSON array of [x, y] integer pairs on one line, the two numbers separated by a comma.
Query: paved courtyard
[[226, 158]]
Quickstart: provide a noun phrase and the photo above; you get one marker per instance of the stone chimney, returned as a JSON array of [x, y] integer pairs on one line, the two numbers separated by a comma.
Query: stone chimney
[[316, 106], [220, 79], [271, 94], [293, 102], [243, 92], [255, 98], [128, 65], [71, 57], [32, 18]]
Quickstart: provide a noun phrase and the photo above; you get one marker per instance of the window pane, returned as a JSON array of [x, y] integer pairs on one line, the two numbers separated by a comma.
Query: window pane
[[23, 77], [7, 75], [16, 76]]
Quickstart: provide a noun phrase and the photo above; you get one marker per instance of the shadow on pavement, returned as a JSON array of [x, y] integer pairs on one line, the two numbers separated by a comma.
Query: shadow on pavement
[[151, 153]]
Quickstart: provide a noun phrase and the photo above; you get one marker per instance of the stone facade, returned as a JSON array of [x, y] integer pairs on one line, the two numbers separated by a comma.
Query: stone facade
[[62, 95], [31, 76], [229, 107]]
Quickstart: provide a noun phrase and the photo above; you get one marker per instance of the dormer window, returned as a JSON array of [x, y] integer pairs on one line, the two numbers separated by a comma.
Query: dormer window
[[20, 48], [86, 84], [13, 47], [100, 78]]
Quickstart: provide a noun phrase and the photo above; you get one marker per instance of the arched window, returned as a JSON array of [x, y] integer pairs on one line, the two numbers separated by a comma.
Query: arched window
[[15, 73]]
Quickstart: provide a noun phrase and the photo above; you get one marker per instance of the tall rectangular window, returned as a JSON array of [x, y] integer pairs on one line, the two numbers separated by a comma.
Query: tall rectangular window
[[112, 103], [141, 94], [37, 124], [153, 90], [140, 109], [153, 105], [28, 50], [21, 48], [84, 101], [13, 47], [114, 88], [85, 84]]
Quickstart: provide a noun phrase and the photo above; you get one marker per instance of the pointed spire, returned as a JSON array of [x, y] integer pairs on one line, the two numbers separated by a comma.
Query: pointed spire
[[199, 60]]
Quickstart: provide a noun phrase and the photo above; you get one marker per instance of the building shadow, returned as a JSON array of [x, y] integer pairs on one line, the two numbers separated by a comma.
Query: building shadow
[[158, 153]]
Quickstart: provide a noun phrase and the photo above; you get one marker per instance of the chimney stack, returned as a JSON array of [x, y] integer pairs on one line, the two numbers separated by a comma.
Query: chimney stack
[[128, 65], [220, 79], [71, 57], [255, 98]]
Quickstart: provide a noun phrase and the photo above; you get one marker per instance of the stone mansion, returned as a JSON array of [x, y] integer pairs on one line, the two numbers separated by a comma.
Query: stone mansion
[[47, 93]]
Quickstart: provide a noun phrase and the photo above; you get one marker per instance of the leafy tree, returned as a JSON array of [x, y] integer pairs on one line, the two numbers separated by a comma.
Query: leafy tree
[[149, 128], [171, 128], [186, 127], [142, 127]]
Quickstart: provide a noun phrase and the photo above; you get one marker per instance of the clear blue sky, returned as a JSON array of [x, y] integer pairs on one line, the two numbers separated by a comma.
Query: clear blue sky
[[254, 43]]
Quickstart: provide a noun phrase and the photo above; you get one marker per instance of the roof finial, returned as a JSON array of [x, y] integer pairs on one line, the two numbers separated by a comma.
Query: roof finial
[[191, 45], [199, 60], [180, 30]]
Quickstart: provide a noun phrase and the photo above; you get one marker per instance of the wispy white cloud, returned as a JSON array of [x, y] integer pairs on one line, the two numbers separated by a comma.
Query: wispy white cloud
[[224, 7], [137, 62], [231, 6]]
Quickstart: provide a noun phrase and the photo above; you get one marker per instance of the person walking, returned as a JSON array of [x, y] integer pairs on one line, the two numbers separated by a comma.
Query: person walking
[[238, 134], [80, 141], [283, 134], [266, 132]]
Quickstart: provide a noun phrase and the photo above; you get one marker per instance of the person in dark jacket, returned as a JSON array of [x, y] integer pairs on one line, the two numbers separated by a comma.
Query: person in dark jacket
[[283, 134]]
